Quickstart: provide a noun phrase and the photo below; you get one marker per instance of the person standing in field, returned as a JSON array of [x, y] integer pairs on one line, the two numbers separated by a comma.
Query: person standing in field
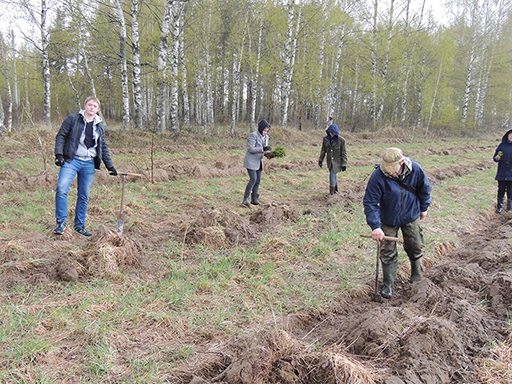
[[335, 148], [80, 147], [257, 147], [503, 156], [397, 197]]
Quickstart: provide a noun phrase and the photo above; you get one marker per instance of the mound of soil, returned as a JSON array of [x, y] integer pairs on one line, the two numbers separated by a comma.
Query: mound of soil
[[434, 331]]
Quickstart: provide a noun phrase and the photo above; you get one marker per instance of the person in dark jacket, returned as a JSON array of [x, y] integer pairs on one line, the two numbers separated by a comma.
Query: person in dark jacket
[[397, 197], [80, 147], [335, 148], [257, 147], [503, 156]]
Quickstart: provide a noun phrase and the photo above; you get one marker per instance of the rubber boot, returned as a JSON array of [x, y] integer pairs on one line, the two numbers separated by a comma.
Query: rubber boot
[[246, 201], [509, 204], [336, 188], [254, 199], [331, 191], [499, 205], [389, 275], [415, 270]]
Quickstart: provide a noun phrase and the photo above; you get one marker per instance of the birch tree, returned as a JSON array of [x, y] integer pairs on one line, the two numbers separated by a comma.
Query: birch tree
[[163, 51], [290, 51], [184, 85], [178, 7], [124, 66], [136, 69]]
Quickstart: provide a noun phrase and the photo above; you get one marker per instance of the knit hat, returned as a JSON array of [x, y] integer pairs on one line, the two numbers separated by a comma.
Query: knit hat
[[391, 160]]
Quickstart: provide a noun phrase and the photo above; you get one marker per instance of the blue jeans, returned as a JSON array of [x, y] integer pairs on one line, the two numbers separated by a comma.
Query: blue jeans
[[85, 171], [333, 178]]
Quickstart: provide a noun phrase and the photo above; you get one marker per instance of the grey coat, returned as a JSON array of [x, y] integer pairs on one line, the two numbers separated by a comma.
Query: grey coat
[[336, 154], [254, 156]]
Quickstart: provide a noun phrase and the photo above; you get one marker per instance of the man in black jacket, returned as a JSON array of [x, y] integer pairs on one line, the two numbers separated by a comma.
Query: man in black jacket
[[80, 147]]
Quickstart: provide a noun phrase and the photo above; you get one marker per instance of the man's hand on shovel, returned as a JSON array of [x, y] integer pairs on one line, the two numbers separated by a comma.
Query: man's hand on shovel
[[376, 235]]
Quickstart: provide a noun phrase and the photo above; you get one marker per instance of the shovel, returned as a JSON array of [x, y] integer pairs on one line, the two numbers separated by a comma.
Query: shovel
[[120, 216], [376, 295]]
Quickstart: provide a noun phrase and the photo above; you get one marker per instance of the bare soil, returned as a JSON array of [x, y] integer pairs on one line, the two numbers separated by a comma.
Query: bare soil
[[434, 331]]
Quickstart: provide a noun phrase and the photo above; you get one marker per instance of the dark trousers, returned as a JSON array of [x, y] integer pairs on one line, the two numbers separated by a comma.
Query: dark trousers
[[505, 186], [254, 182], [413, 242]]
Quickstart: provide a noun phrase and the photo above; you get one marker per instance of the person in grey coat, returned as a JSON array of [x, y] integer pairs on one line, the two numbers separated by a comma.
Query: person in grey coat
[[335, 148], [257, 147]]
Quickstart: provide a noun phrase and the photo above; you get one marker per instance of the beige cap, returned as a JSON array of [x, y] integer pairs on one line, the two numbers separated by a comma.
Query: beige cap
[[391, 160]]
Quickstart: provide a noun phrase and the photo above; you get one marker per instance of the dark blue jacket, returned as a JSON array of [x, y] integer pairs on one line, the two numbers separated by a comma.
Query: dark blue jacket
[[68, 137], [505, 162], [387, 202]]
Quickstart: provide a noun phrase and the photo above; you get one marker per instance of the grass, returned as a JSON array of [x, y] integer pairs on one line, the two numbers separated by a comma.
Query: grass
[[139, 325]]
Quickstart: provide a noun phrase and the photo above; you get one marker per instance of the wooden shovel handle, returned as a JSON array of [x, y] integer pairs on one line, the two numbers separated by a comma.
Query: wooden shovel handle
[[388, 238]]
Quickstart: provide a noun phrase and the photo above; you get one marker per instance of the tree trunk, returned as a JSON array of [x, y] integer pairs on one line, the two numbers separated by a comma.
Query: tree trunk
[[45, 66], [373, 112], [175, 54], [384, 79], [184, 85], [136, 81], [124, 66], [255, 80], [163, 51], [289, 59]]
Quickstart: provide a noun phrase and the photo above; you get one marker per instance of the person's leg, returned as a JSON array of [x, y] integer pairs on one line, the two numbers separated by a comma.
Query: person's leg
[[502, 185], [389, 259], [67, 174], [333, 182], [84, 181], [250, 185], [508, 187], [413, 246], [255, 195]]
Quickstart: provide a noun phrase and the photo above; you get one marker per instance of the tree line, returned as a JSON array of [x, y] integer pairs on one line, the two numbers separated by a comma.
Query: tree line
[[170, 65]]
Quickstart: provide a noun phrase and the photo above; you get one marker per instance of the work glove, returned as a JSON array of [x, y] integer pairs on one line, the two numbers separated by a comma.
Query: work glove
[[59, 160], [343, 168], [267, 148], [498, 156], [112, 171], [320, 163]]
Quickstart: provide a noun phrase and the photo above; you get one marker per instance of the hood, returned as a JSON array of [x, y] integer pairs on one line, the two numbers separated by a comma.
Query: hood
[[333, 128], [97, 118], [262, 125], [505, 137]]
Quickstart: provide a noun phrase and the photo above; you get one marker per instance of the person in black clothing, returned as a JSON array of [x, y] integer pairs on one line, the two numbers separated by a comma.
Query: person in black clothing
[[503, 156], [79, 149]]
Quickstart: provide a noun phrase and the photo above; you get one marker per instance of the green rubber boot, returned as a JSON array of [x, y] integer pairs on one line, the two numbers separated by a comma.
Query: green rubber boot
[[389, 274], [246, 201], [415, 270]]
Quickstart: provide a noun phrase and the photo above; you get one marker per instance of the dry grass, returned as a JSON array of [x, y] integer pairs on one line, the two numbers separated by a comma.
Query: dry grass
[[109, 252], [498, 368]]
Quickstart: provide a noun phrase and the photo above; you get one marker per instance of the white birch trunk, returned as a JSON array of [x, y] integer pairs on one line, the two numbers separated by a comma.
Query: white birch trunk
[[15, 91], [384, 79], [237, 63], [45, 65], [3, 130], [435, 95], [124, 66], [333, 91], [255, 80], [373, 112], [88, 72], [184, 84], [9, 101], [175, 54], [136, 81], [163, 51], [289, 59]]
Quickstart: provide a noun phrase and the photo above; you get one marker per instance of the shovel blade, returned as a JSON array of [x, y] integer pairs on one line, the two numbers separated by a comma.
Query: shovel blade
[[120, 226]]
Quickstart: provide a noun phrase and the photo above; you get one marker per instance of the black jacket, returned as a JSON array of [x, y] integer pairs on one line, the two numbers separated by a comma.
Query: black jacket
[[68, 137]]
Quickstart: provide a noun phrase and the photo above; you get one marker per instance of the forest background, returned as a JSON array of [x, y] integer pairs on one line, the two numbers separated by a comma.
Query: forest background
[[169, 65]]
